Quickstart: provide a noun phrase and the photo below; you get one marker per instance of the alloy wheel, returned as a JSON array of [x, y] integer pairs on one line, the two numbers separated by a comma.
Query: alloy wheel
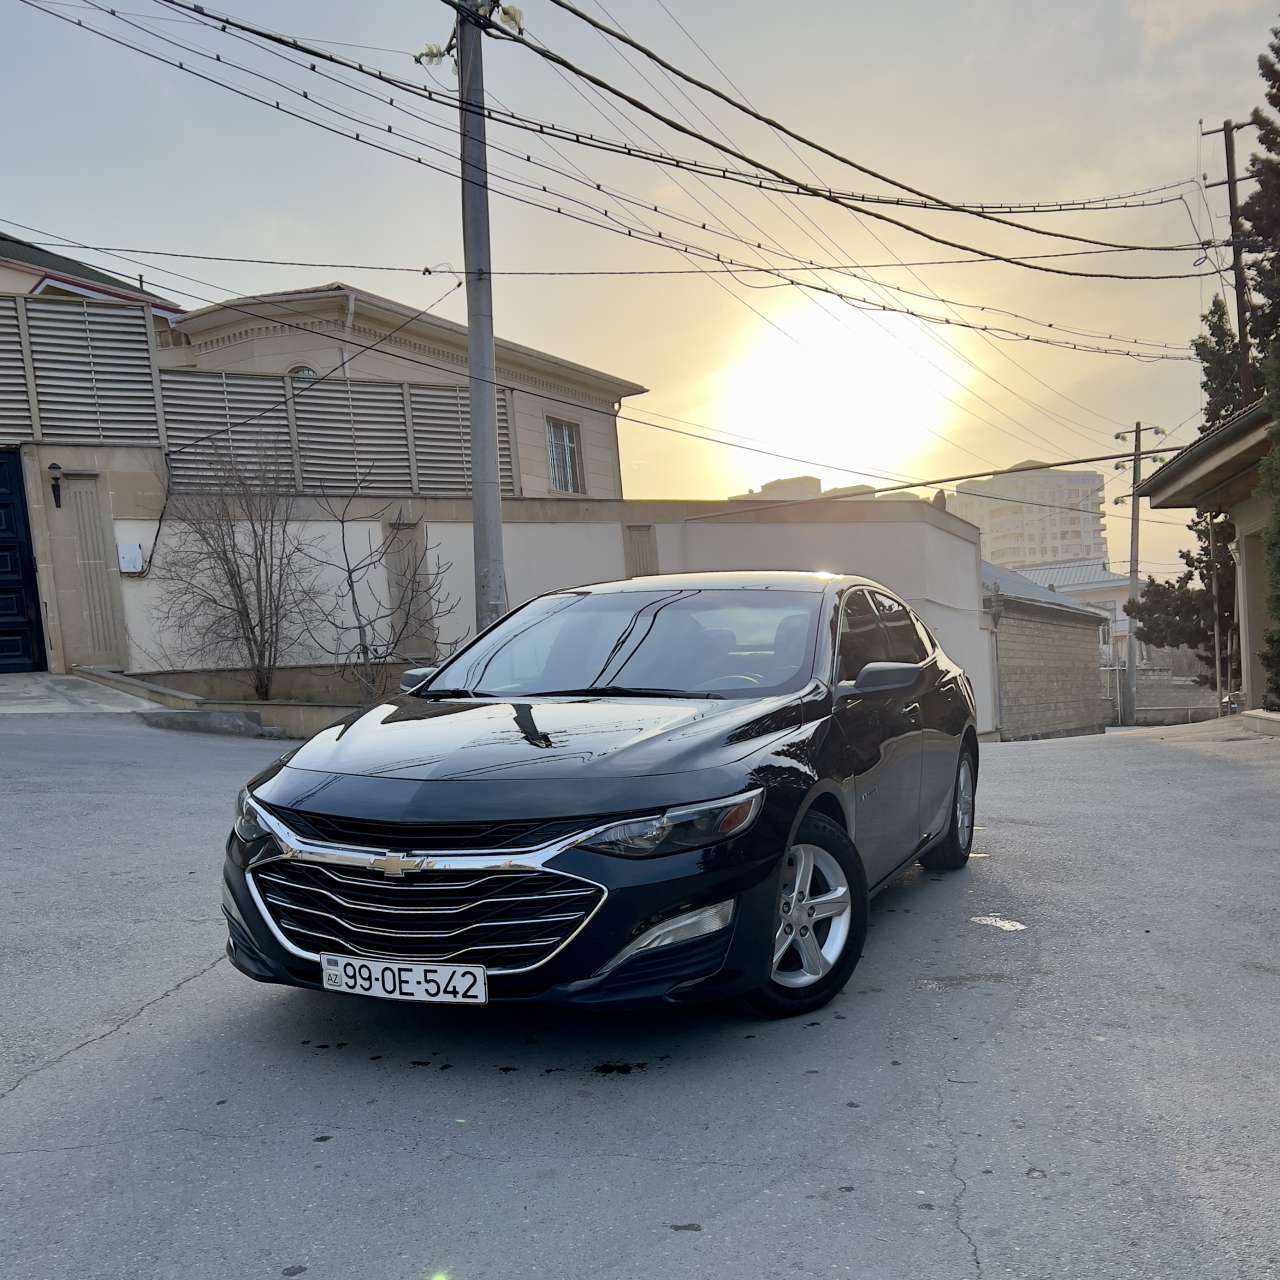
[[814, 912], [964, 804]]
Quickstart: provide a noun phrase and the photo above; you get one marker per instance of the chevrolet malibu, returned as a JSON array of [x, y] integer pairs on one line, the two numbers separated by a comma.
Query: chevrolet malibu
[[679, 787]]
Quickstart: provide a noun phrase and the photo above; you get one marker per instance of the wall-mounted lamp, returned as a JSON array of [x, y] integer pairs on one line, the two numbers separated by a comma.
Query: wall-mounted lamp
[[55, 483]]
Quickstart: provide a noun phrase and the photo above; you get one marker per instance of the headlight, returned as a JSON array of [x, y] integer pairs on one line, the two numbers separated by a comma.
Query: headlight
[[689, 827], [248, 824]]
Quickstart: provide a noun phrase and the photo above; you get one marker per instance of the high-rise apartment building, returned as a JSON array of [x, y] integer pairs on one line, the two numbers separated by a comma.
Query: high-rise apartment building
[[1032, 517]]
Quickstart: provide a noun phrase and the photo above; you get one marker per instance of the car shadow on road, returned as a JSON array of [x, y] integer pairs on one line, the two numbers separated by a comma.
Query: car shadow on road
[[295, 1025]]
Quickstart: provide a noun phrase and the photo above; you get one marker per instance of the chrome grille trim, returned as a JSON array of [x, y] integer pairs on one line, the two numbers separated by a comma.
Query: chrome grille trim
[[417, 933], [425, 911], [292, 847]]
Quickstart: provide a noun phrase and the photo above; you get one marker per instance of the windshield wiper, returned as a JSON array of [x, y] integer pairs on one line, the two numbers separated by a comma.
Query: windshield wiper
[[447, 693], [620, 691]]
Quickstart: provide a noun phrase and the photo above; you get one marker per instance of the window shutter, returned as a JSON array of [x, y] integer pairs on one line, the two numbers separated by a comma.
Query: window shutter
[[352, 434], [442, 440], [15, 409], [93, 371], [198, 403]]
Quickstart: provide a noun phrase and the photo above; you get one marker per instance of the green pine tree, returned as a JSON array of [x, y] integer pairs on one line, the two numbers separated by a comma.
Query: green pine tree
[[1261, 211], [1219, 359], [1180, 612]]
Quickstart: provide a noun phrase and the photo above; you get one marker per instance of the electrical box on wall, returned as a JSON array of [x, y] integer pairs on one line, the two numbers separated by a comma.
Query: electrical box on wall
[[129, 555]]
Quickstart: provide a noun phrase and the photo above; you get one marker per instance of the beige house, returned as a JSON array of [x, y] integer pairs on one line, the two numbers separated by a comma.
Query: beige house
[[1219, 473], [394, 414]]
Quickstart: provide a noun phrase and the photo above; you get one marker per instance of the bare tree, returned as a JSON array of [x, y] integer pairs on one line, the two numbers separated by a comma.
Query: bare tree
[[237, 582], [389, 599]]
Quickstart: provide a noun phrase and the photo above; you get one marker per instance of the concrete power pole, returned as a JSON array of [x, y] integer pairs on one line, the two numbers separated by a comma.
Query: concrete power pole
[[1228, 131], [1217, 615], [1128, 693], [486, 495], [1131, 641]]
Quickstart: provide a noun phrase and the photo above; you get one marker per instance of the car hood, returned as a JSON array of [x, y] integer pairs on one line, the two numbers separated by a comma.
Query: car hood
[[541, 739]]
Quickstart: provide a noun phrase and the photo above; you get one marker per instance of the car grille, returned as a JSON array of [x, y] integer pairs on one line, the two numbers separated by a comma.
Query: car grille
[[505, 919], [427, 837]]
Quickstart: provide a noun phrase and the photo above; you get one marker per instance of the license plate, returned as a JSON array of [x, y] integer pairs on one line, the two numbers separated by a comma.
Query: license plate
[[400, 980]]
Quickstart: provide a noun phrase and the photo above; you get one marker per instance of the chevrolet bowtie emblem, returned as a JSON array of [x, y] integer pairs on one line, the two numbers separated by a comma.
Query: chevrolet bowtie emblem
[[395, 864]]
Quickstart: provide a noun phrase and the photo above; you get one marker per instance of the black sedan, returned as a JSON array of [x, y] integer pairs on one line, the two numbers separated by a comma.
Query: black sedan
[[676, 787]]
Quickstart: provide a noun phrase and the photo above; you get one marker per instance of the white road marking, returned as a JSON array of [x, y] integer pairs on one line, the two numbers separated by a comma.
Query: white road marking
[[998, 922]]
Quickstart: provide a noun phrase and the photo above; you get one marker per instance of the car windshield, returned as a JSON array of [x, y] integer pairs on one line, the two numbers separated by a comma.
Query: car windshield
[[744, 643]]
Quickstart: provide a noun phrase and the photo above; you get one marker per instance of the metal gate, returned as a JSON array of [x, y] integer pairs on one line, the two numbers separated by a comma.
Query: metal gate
[[21, 636]]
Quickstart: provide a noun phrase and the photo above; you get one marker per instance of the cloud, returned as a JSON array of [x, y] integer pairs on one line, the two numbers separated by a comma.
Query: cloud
[[1163, 21]]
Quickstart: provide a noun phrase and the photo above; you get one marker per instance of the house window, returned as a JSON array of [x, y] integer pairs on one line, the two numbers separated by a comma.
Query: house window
[[303, 373], [564, 455]]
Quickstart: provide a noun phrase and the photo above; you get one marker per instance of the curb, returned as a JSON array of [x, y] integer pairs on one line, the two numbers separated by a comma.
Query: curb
[[234, 723]]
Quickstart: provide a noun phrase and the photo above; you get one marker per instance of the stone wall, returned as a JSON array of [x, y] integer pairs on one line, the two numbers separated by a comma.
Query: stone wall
[[1050, 682]]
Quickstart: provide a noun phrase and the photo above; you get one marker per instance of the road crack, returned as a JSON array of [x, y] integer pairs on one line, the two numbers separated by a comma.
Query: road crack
[[110, 1031], [953, 1170]]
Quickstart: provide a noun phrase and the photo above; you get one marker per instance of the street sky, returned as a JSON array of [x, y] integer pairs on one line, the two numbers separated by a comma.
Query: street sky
[[971, 100]]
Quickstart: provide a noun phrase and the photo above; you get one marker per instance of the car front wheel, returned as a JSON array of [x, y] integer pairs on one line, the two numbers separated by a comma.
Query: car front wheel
[[820, 924]]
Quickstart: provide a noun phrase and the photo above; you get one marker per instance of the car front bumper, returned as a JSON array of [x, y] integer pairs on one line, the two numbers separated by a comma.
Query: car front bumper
[[639, 894]]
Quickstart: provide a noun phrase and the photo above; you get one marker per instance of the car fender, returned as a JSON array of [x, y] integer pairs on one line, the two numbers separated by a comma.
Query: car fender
[[822, 795]]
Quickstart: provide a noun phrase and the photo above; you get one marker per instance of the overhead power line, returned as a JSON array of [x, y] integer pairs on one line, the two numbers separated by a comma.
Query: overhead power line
[[1118, 200], [658, 238], [499, 32], [577, 136], [777, 126]]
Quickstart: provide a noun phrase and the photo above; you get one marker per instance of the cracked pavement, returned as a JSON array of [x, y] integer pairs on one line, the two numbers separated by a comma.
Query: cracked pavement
[[1094, 1095]]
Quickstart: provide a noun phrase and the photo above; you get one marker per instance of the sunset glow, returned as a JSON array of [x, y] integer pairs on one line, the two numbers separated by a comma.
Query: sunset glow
[[862, 391]]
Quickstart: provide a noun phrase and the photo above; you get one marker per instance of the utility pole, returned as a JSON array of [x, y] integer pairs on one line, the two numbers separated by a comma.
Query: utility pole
[[486, 495], [1217, 627], [1228, 131], [1131, 641], [1129, 694]]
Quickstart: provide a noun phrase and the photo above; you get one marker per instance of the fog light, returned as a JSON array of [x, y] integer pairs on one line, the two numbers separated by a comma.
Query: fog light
[[681, 928]]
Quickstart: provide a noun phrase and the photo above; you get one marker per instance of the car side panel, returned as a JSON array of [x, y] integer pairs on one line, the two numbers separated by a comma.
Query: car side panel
[[876, 761]]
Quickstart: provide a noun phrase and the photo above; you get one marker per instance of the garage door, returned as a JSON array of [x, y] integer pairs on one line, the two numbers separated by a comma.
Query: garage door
[[21, 642]]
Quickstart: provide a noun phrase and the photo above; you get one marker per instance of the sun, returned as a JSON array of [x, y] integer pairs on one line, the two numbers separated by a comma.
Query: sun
[[862, 391]]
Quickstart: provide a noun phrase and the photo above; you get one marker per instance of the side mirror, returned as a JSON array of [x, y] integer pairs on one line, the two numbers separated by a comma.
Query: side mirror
[[414, 677], [879, 678]]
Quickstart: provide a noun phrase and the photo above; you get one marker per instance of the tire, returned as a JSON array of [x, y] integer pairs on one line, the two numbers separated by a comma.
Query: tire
[[952, 852], [801, 981]]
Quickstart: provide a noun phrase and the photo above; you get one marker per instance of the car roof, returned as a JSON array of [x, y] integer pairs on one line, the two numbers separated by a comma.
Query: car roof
[[727, 580]]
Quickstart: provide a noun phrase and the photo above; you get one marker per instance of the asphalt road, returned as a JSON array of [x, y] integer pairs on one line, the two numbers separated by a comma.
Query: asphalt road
[[1092, 1095]]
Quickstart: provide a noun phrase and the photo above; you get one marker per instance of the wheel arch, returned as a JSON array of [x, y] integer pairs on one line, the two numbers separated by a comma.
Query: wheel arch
[[824, 799]]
